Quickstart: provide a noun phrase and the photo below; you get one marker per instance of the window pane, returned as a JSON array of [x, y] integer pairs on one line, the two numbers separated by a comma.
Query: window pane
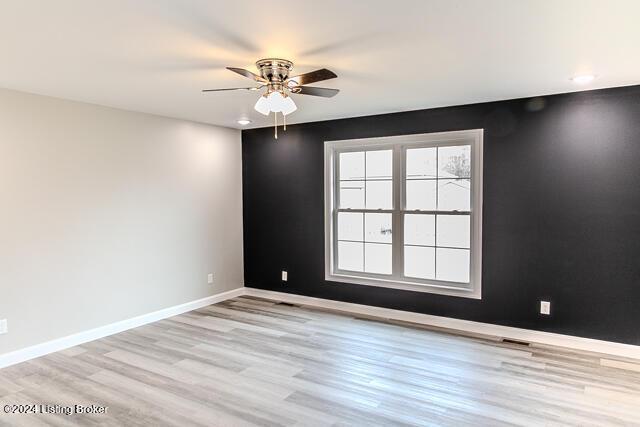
[[454, 230], [454, 162], [421, 163], [352, 165], [350, 256], [350, 226], [452, 265], [379, 195], [378, 227], [421, 195], [420, 230], [352, 194], [377, 258], [419, 262], [454, 194], [379, 164]]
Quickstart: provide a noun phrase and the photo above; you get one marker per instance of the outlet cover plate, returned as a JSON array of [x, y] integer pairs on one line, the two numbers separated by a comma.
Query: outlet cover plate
[[210, 278], [545, 307], [3, 326], [284, 276]]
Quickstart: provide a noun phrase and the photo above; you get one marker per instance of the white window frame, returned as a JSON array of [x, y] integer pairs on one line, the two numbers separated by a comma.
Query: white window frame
[[399, 145]]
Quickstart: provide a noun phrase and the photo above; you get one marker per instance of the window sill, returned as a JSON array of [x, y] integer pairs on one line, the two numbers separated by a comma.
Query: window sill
[[473, 293]]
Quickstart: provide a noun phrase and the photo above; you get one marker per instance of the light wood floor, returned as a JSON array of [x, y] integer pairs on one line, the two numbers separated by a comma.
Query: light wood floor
[[254, 362]]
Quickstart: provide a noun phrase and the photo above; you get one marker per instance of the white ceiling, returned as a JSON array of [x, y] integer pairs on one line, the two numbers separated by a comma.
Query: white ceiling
[[156, 55]]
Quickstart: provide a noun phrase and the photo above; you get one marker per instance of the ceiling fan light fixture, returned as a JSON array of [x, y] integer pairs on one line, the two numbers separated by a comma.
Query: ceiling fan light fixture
[[274, 74], [275, 102]]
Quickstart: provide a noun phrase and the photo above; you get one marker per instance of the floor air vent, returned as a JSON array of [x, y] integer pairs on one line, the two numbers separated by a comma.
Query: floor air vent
[[509, 341]]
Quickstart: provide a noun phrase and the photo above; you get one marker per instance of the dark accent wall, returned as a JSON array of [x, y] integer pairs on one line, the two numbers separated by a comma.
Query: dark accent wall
[[561, 211]]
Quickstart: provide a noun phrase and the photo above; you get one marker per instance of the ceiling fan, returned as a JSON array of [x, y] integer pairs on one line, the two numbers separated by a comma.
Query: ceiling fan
[[274, 75]]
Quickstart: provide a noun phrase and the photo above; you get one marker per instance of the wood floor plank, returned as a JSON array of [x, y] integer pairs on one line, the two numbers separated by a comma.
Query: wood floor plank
[[250, 361]]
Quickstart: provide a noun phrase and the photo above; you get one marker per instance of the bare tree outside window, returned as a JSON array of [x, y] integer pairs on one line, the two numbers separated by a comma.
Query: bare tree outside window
[[459, 165]]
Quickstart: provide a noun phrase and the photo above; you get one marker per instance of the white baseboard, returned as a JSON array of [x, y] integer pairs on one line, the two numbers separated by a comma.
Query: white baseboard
[[38, 350], [534, 337]]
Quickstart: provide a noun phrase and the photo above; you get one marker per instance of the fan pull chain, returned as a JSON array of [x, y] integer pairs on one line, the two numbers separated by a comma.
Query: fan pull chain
[[275, 128], [284, 121]]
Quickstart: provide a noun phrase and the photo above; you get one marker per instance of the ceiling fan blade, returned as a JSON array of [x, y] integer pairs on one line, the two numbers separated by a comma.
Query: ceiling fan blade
[[312, 77], [232, 88], [247, 73], [315, 91]]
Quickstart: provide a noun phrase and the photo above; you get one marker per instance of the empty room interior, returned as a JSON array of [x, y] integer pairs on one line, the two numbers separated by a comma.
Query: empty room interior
[[337, 213]]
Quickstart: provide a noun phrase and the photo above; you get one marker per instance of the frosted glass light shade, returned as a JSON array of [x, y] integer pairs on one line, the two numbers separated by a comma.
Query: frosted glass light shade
[[288, 106], [262, 106], [275, 102]]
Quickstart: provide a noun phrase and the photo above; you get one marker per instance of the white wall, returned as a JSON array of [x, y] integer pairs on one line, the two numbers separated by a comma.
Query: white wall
[[108, 214]]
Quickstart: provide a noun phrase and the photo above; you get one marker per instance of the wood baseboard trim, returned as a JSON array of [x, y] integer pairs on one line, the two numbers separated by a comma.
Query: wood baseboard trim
[[465, 326], [58, 344]]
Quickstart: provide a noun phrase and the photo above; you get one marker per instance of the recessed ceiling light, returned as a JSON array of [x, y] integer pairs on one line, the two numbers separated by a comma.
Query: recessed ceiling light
[[244, 122], [583, 78]]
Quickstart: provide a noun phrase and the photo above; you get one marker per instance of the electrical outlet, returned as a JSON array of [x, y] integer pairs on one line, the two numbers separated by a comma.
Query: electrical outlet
[[3, 326], [210, 278], [545, 307], [284, 276]]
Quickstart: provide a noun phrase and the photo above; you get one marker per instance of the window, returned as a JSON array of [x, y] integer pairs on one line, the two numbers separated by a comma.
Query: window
[[406, 212]]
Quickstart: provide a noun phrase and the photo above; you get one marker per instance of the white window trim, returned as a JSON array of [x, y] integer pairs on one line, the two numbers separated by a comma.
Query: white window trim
[[473, 137]]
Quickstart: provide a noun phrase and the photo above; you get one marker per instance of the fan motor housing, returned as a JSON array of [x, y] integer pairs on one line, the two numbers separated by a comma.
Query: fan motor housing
[[274, 69]]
